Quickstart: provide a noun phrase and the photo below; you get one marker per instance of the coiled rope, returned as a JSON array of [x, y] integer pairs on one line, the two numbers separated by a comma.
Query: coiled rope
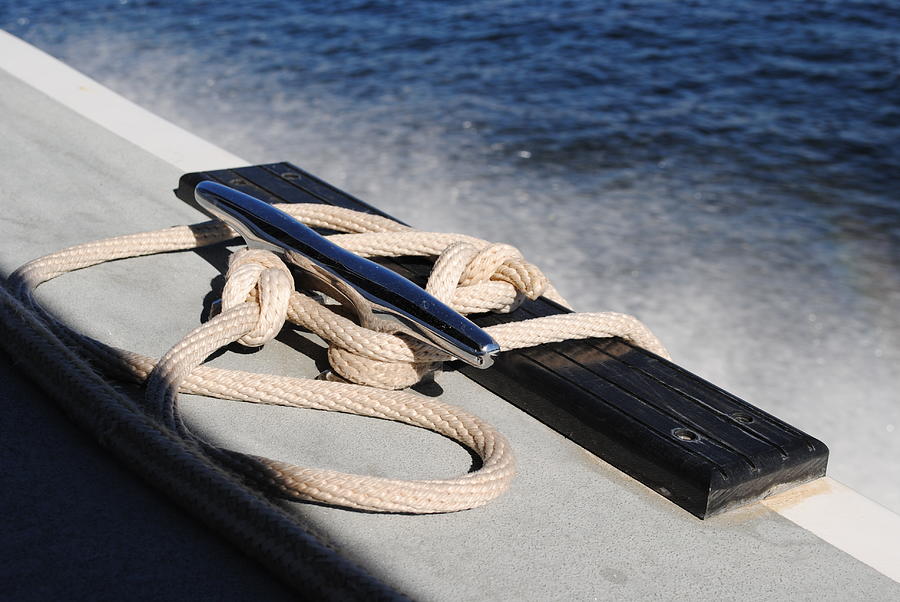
[[470, 275]]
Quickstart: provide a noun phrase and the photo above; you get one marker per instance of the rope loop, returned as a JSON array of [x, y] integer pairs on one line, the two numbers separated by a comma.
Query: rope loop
[[379, 373], [471, 275]]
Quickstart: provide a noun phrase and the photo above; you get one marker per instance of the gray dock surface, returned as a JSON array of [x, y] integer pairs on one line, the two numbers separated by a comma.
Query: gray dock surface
[[77, 525]]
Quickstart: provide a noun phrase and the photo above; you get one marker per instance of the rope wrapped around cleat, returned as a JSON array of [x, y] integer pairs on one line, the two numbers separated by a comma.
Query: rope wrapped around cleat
[[470, 275]]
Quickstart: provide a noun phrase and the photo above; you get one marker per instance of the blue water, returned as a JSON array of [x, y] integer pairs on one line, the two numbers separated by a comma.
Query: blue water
[[728, 171]]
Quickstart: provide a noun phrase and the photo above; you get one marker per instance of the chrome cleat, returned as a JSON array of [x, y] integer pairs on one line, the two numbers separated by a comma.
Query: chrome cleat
[[381, 299]]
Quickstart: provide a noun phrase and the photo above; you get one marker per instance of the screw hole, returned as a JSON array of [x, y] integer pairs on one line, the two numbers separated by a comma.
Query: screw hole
[[685, 434], [290, 175], [742, 417]]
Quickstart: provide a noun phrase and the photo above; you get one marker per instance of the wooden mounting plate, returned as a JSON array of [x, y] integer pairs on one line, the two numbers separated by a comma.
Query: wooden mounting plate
[[693, 443]]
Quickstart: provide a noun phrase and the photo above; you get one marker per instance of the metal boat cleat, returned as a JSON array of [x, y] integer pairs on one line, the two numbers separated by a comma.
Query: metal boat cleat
[[381, 299]]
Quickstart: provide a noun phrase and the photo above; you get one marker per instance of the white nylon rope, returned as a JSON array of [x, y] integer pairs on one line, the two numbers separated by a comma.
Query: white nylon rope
[[470, 275]]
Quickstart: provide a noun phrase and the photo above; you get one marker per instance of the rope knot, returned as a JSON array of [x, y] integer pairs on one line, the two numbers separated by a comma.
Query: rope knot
[[259, 277], [471, 277], [494, 278]]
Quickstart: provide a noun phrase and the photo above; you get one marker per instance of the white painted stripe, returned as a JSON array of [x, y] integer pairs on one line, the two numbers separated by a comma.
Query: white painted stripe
[[845, 519], [831, 511], [106, 108]]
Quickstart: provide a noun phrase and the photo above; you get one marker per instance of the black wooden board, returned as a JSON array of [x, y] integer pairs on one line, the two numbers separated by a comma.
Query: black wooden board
[[688, 440]]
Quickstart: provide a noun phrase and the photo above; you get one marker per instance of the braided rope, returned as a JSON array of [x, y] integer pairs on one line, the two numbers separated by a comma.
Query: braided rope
[[470, 274]]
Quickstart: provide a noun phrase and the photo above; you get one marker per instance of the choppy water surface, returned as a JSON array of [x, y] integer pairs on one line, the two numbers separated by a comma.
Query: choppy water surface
[[728, 171]]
